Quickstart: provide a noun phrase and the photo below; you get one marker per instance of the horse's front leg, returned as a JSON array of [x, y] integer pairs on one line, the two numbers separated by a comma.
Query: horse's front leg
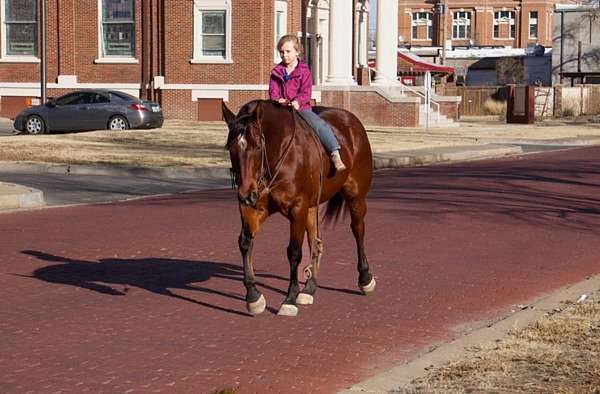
[[251, 221], [316, 251], [297, 226]]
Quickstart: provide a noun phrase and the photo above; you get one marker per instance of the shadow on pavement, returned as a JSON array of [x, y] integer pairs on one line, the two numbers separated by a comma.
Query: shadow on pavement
[[540, 191], [157, 275]]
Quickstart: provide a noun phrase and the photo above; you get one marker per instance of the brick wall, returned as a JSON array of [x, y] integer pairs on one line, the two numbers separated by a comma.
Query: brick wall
[[482, 20], [450, 110], [372, 109]]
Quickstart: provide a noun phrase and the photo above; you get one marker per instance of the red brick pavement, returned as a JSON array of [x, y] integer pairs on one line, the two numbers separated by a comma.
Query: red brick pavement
[[146, 296]]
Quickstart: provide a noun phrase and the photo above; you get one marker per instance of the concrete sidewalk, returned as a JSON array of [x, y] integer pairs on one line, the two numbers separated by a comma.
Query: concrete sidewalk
[[475, 139], [14, 196]]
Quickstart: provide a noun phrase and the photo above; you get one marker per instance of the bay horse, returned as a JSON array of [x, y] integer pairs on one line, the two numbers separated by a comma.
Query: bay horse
[[279, 165]]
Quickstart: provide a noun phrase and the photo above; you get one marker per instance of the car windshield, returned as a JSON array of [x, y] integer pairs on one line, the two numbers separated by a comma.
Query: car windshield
[[123, 96]]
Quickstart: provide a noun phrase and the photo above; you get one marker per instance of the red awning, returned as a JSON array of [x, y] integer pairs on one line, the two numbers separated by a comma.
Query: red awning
[[419, 65]]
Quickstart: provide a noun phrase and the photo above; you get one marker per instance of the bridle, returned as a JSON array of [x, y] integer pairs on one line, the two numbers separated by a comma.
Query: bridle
[[266, 179]]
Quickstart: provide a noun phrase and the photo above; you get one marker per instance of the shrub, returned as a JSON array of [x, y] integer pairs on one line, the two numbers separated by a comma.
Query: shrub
[[493, 107]]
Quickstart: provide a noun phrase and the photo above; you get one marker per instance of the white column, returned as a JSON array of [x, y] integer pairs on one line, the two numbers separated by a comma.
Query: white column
[[387, 43], [340, 43], [362, 16]]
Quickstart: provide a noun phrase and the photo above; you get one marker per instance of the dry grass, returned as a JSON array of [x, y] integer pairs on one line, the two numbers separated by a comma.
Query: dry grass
[[558, 354], [178, 143], [493, 107]]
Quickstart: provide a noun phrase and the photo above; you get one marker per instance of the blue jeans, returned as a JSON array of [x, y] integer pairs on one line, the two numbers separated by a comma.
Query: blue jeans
[[322, 129]]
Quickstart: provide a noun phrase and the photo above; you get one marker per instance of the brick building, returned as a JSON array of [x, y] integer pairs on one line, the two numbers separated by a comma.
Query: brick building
[[512, 23], [191, 54]]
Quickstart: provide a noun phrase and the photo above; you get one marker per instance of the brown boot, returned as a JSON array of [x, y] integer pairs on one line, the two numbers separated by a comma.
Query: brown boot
[[337, 161]]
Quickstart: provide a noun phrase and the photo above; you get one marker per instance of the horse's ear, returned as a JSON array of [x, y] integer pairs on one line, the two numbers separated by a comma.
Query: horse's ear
[[228, 116]]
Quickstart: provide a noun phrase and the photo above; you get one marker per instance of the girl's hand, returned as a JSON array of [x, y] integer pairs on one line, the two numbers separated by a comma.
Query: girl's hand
[[282, 101], [295, 105]]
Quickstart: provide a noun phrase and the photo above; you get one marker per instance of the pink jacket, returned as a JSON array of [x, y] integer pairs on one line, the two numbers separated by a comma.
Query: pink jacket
[[298, 87]]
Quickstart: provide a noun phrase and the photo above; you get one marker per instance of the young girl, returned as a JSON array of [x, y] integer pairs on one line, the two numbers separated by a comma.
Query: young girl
[[291, 84]]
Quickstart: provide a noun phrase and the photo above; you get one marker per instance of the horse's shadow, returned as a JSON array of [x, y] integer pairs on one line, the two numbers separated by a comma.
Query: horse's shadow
[[157, 275]]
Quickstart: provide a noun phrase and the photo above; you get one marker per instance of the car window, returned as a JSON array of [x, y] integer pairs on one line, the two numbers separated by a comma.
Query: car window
[[99, 98], [120, 96], [69, 99], [87, 98]]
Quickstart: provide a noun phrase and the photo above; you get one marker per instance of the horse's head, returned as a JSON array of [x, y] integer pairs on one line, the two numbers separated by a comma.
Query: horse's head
[[245, 144]]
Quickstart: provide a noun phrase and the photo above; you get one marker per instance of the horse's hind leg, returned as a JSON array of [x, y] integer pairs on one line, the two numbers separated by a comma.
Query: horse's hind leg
[[358, 210], [297, 226], [316, 251], [251, 221]]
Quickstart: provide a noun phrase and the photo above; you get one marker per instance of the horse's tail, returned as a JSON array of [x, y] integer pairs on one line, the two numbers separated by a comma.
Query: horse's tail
[[336, 207]]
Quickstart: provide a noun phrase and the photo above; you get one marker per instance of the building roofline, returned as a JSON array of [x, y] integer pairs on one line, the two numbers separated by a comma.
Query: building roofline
[[574, 8]]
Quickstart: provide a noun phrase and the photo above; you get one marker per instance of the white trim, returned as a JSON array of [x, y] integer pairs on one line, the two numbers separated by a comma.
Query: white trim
[[211, 5], [280, 6], [113, 59], [19, 59], [210, 60], [192, 86], [198, 94], [116, 60], [4, 57]]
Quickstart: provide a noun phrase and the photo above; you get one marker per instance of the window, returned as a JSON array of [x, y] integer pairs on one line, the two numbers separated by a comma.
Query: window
[[504, 22], [533, 24], [461, 25], [118, 29], [280, 24], [71, 99], [19, 28], [212, 31], [421, 19]]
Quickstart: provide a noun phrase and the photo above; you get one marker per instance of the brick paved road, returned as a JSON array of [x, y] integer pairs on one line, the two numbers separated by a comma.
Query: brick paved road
[[146, 296]]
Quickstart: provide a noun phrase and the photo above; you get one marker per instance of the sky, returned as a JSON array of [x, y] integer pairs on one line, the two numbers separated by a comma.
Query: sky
[[373, 16]]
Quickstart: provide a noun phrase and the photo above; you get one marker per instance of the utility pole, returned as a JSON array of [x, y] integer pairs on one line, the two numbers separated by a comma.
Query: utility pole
[[43, 50]]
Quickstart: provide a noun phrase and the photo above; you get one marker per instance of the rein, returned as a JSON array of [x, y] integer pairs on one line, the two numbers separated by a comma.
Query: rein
[[266, 180]]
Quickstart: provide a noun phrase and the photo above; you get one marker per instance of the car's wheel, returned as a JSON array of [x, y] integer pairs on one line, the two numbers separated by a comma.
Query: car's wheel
[[35, 125], [118, 122]]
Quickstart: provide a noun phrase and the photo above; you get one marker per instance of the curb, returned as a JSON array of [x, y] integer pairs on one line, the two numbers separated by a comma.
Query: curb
[[399, 159], [402, 375], [395, 159], [150, 172], [14, 196]]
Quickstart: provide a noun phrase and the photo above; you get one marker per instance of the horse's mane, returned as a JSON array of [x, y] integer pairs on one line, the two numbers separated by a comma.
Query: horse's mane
[[245, 116]]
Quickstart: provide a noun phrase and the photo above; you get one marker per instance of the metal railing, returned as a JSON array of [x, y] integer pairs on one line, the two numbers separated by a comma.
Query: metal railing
[[426, 96]]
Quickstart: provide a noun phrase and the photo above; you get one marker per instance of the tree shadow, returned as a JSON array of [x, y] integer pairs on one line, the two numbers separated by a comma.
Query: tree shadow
[[157, 275], [561, 193]]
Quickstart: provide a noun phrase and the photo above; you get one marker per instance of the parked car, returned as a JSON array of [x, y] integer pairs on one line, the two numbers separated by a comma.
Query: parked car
[[90, 110]]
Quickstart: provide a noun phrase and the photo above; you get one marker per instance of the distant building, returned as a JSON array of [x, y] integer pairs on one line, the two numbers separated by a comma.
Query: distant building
[[463, 23], [576, 48]]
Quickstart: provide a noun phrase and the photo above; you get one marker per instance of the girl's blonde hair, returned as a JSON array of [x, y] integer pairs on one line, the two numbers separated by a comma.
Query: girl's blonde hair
[[290, 38]]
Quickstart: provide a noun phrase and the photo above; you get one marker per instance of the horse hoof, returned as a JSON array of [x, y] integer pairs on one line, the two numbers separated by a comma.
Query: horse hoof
[[368, 288], [257, 307], [304, 299], [288, 310]]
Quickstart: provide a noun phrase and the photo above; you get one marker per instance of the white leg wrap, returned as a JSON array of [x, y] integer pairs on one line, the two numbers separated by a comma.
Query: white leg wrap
[[258, 306], [304, 299], [369, 288], [288, 310]]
